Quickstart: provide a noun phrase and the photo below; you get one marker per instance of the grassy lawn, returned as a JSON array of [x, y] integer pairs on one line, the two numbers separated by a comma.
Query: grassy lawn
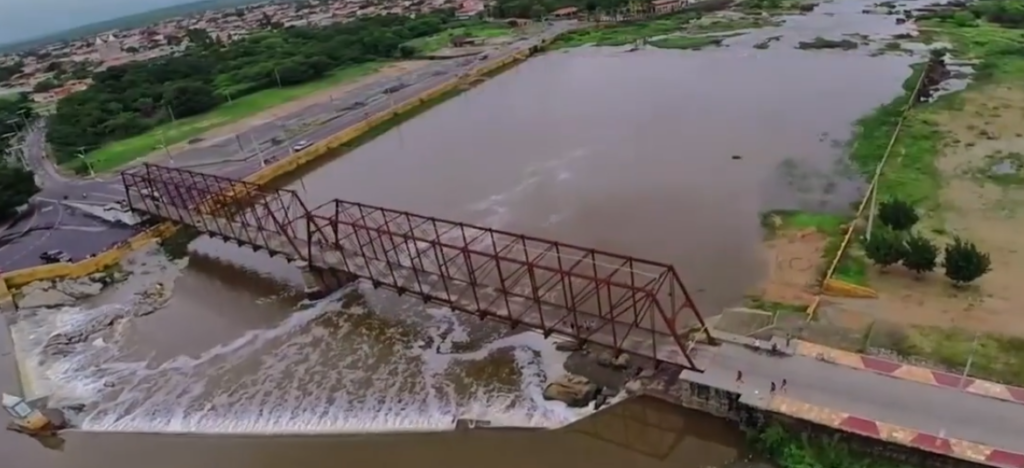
[[623, 33], [117, 154], [689, 42], [431, 44]]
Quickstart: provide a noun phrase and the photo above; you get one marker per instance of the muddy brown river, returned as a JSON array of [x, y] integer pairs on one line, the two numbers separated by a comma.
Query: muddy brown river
[[661, 154]]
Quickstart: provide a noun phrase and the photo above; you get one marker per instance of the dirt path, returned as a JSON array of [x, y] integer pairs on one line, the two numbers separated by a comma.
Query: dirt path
[[213, 135]]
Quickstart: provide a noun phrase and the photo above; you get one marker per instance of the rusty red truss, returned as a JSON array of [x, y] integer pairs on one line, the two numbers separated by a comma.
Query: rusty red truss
[[624, 303], [206, 201]]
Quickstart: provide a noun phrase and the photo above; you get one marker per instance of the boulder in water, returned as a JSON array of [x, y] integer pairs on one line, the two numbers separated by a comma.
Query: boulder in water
[[573, 390]]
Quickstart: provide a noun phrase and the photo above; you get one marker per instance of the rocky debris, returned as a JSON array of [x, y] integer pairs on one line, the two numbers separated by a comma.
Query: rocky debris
[[573, 390], [607, 359], [42, 294], [822, 43], [144, 303], [568, 346], [80, 288], [65, 292], [763, 45]]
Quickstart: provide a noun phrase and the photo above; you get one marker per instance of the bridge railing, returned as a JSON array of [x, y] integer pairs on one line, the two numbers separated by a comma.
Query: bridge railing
[[626, 303], [547, 285], [213, 204]]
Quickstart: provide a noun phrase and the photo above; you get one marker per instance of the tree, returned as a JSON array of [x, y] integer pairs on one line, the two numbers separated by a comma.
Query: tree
[[964, 262], [897, 215], [921, 254], [45, 85], [17, 186], [885, 247]]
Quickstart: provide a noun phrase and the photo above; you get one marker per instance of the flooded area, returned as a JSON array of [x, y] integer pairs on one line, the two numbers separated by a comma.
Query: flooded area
[[661, 154]]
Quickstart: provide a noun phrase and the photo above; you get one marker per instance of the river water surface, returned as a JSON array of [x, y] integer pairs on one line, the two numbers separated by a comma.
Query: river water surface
[[662, 154]]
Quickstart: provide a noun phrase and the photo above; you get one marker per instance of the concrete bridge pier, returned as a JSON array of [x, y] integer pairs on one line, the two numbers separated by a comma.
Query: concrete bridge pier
[[320, 283]]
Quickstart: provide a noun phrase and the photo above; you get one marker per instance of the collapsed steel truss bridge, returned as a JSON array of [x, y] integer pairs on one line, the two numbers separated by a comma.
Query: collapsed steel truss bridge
[[626, 304]]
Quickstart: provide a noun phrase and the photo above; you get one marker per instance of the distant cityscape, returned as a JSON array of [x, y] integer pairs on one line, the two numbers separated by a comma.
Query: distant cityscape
[[55, 71]]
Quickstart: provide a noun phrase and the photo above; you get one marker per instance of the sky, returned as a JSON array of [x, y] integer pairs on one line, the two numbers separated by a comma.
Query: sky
[[27, 19]]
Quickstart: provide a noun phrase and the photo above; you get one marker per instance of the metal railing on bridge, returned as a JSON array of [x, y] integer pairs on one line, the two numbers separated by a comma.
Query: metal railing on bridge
[[624, 303]]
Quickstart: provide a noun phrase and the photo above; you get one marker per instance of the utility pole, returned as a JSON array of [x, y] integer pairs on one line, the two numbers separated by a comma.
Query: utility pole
[[171, 112], [259, 151], [278, 77], [167, 150], [81, 155]]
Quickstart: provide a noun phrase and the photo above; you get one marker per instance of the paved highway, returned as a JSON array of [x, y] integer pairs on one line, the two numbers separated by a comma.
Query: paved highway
[[937, 410], [50, 225]]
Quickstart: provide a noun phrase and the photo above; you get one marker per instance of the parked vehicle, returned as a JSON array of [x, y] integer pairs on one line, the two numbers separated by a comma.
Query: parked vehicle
[[301, 145], [55, 256]]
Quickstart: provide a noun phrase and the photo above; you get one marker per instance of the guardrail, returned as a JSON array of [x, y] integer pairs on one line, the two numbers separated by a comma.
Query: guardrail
[[835, 287], [17, 278]]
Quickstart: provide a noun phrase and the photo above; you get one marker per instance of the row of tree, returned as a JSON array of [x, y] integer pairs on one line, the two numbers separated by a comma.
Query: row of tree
[[130, 99], [1008, 13], [896, 243], [539, 8], [13, 115]]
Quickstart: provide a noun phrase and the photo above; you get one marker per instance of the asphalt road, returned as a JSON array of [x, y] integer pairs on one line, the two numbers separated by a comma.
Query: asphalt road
[[50, 225], [937, 410]]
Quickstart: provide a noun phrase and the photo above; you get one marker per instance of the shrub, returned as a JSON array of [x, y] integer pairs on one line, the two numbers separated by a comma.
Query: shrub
[[886, 247], [921, 254], [897, 214], [964, 262]]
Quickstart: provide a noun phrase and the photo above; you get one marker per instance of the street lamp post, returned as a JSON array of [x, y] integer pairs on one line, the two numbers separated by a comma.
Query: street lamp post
[[163, 143], [81, 155], [259, 151]]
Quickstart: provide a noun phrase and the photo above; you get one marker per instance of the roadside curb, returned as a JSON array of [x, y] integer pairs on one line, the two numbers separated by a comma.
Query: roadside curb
[[922, 375], [961, 449]]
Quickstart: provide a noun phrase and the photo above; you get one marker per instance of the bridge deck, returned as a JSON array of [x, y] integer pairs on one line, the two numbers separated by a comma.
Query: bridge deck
[[619, 302]]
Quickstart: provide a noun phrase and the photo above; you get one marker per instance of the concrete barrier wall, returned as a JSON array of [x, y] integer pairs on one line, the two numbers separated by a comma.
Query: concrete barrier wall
[[18, 278], [758, 412], [101, 261]]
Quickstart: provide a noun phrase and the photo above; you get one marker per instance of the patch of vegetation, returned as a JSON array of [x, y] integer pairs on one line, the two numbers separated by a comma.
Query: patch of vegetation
[[852, 267], [897, 214], [964, 263], [478, 30], [620, 34], [116, 154], [134, 98], [999, 358], [778, 6], [822, 43], [767, 42], [885, 247], [689, 42], [922, 255], [15, 110], [912, 175], [710, 25], [789, 450], [17, 186], [775, 307]]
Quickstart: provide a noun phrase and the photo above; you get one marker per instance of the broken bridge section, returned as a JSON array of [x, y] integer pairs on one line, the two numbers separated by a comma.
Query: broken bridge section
[[626, 304]]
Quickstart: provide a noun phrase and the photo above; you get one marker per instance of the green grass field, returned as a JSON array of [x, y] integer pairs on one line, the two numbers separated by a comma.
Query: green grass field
[[117, 154], [431, 44]]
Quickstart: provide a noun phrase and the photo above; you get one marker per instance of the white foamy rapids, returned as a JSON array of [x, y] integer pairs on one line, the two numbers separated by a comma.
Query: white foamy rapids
[[324, 369]]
